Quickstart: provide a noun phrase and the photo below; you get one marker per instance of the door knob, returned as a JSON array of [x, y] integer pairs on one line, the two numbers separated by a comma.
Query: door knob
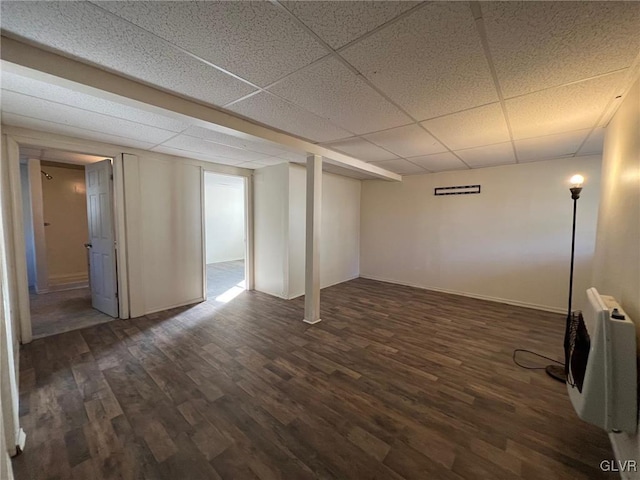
[[88, 245]]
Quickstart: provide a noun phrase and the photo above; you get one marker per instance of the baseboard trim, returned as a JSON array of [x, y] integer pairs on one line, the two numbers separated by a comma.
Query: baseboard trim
[[325, 286], [517, 303], [178, 305]]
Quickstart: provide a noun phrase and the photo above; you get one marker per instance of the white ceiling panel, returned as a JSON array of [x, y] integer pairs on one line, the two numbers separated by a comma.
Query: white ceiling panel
[[339, 23], [550, 146], [345, 172], [84, 31], [361, 149], [331, 90], [594, 143], [53, 112], [68, 157], [65, 96], [488, 156], [253, 144], [407, 141], [193, 144], [61, 129], [439, 162], [471, 128], [251, 165], [562, 109], [431, 62], [537, 45], [278, 113], [401, 166], [255, 40], [205, 157], [269, 161]]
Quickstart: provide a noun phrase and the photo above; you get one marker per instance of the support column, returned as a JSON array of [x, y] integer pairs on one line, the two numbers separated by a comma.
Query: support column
[[312, 254]]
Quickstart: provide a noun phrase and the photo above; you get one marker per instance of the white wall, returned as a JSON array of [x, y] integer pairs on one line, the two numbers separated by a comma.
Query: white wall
[[280, 218], [170, 232], [27, 221], [339, 230], [270, 225], [64, 203], [10, 309], [510, 243], [224, 217], [617, 255]]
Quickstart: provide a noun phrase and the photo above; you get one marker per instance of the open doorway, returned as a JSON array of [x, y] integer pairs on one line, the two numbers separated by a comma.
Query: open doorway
[[225, 236], [61, 221]]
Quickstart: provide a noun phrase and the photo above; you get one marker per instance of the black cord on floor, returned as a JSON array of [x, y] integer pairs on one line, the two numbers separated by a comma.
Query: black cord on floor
[[532, 353]]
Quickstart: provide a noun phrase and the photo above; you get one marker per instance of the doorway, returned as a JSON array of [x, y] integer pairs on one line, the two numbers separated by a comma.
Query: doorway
[[59, 194], [225, 236]]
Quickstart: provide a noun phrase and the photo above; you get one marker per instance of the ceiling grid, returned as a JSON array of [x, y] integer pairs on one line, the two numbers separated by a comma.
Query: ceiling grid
[[412, 87]]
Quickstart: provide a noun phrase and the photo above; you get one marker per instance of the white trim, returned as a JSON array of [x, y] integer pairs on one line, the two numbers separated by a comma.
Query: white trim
[[203, 232], [53, 68], [37, 218], [326, 286], [248, 232], [120, 225], [312, 322], [19, 243], [517, 303], [177, 305]]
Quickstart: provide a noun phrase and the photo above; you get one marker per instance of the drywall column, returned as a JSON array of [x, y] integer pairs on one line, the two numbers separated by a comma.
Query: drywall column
[[312, 254]]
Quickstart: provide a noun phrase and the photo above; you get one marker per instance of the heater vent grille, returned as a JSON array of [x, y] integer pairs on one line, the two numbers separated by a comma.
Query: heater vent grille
[[457, 190]]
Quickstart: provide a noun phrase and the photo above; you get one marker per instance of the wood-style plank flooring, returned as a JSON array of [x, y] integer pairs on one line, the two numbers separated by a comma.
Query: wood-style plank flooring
[[394, 383], [63, 311], [66, 310]]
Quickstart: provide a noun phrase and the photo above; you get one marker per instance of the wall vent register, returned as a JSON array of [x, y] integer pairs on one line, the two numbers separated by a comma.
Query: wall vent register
[[457, 190]]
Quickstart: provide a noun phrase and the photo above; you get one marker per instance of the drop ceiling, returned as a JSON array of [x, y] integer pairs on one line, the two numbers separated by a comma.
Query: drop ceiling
[[413, 87]]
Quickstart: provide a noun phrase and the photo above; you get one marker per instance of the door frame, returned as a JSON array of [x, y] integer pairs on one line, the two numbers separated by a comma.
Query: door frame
[[17, 227], [248, 228]]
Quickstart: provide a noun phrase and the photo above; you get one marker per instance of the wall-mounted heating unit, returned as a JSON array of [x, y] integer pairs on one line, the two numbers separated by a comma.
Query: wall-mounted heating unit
[[602, 380]]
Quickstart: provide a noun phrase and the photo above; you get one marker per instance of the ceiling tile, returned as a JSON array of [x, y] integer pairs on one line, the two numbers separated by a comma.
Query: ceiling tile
[[54, 112], [431, 62], [193, 144], [205, 157], [347, 172], [271, 161], [488, 156], [361, 149], [253, 144], [36, 88], [401, 166], [407, 141], [331, 90], [472, 128], [278, 113], [86, 32], [251, 165], [339, 23], [61, 129], [550, 146], [439, 162], [254, 40], [594, 143], [537, 45], [562, 109]]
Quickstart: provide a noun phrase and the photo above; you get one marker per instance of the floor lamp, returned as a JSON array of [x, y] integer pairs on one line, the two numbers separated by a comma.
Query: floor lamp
[[556, 371]]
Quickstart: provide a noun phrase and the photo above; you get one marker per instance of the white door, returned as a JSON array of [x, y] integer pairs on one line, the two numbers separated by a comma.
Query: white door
[[102, 250]]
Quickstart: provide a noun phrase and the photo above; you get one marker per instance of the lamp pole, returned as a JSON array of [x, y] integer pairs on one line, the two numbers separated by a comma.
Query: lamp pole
[[555, 371]]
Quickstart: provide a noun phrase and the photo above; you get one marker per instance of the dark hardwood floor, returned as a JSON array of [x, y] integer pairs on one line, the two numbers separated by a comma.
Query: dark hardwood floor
[[395, 382], [63, 311]]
